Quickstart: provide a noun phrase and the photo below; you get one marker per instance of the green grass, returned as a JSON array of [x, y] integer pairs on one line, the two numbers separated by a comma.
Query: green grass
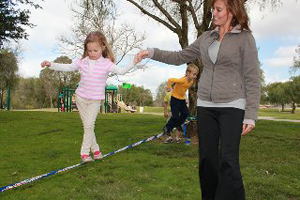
[[280, 115], [34, 143], [270, 160], [149, 109]]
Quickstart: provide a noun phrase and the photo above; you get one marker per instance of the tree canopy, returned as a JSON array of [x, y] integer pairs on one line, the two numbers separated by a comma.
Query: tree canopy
[[14, 19], [161, 92], [8, 72], [284, 93], [136, 96]]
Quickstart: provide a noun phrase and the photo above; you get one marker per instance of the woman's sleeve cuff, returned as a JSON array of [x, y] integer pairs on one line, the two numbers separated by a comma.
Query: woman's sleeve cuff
[[249, 121], [151, 52]]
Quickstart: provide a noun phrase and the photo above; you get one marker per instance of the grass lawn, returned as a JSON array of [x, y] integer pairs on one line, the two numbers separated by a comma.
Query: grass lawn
[[34, 143]]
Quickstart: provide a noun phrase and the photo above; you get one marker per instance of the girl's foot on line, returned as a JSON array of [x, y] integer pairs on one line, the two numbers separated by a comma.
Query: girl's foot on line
[[86, 158], [97, 155]]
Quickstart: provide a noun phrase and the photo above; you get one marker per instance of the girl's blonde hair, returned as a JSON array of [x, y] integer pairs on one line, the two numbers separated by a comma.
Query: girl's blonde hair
[[100, 38], [192, 67]]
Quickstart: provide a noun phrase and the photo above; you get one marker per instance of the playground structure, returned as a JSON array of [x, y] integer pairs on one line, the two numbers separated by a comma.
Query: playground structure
[[6, 103], [113, 101], [8, 100], [121, 104], [66, 101], [112, 104]]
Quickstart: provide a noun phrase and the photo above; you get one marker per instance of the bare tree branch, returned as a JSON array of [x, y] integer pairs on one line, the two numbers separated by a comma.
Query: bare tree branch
[[92, 15], [168, 16], [206, 18], [153, 16], [183, 34], [194, 16]]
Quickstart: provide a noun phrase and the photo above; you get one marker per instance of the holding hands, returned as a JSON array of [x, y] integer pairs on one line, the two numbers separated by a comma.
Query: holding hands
[[45, 63], [141, 55]]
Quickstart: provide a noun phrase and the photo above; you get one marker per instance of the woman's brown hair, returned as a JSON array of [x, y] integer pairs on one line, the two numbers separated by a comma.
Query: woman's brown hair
[[238, 10], [98, 37]]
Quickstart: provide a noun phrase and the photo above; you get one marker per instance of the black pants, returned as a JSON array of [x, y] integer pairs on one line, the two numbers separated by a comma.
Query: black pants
[[179, 113], [219, 131]]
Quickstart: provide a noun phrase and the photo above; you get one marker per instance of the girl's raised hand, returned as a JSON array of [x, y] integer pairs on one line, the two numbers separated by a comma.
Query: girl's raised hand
[[45, 63], [136, 59]]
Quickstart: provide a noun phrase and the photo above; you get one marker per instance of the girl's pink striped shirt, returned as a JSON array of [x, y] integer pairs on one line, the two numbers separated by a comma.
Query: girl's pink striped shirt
[[93, 75]]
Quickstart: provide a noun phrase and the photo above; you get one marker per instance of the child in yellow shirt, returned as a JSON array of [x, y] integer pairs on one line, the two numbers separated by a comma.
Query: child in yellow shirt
[[178, 104], [167, 113]]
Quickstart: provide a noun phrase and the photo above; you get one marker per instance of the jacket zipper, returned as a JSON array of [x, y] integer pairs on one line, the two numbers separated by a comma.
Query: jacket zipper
[[214, 64]]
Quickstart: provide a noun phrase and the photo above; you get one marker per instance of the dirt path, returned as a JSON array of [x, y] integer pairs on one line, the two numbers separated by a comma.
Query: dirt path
[[274, 119], [259, 118]]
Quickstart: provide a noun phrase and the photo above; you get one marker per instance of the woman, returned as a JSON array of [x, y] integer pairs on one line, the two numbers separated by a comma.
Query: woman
[[228, 96]]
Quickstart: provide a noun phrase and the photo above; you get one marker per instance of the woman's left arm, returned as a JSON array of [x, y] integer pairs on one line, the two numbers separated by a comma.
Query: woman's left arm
[[251, 76]]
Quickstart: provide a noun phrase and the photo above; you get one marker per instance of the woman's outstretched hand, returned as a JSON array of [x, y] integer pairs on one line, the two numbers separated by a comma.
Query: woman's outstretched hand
[[45, 63]]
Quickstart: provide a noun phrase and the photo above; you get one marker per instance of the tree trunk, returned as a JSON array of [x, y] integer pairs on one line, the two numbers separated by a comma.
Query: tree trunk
[[206, 19], [293, 107], [192, 131], [193, 91], [51, 103], [282, 107], [1, 99], [183, 33]]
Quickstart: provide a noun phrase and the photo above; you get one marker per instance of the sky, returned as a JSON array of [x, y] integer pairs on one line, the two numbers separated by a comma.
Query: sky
[[277, 34]]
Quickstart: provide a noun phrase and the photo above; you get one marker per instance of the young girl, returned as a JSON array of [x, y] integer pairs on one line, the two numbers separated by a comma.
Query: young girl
[[95, 65]]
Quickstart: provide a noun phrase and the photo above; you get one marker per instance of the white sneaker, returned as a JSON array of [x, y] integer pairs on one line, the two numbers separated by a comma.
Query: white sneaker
[[177, 140], [97, 155], [168, 140], [86, 158]]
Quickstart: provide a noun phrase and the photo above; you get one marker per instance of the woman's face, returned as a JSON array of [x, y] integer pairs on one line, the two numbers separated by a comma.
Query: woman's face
[[221, 15]]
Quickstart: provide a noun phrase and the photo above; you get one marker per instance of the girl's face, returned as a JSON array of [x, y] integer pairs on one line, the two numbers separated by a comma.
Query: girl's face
[[94, 50], [192, 75], [221, 14]]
